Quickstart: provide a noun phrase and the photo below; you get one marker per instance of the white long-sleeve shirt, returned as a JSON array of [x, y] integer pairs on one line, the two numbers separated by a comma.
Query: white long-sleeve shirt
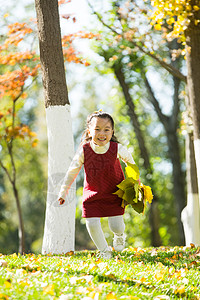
[[78, 162]]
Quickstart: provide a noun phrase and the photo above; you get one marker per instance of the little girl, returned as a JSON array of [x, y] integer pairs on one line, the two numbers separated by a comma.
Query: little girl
[[100, 152]]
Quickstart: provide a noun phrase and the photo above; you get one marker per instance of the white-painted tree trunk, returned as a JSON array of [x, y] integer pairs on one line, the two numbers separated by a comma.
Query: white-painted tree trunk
[[191, 213], [197, 158], [190, 219], [59, 229]]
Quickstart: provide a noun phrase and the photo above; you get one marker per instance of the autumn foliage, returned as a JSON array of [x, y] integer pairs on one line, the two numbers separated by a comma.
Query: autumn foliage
[[21, 68], [176, 13], [18, 67]]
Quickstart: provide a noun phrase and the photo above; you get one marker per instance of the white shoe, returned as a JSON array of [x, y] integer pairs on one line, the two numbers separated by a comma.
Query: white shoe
[[106, 254], [119, 242]]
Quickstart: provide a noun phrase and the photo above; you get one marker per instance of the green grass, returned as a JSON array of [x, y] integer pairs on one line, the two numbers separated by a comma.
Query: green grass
[[150, 273]]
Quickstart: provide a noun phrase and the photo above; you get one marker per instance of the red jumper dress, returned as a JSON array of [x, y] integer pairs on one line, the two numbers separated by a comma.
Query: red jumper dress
[[102, 173]]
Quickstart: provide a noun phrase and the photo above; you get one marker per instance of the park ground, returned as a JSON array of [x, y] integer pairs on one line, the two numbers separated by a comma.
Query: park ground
[[135, 273]]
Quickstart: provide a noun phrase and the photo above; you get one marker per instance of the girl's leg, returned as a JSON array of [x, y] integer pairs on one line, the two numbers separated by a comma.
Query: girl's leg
[[96, 233], [116, 224]]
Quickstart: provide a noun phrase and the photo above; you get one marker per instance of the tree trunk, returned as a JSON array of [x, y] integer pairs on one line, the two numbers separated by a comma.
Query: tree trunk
[[21, 233], [154, 213], [190, 214], [178, 180], [193, 80], [51, 55], [170, 126], [60, 220]]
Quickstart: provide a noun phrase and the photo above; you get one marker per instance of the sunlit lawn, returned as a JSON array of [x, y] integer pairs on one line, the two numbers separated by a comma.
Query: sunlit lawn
[[150, 273]]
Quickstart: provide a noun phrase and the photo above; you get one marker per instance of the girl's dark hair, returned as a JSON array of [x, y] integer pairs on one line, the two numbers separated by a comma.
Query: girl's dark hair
[[98, 114]]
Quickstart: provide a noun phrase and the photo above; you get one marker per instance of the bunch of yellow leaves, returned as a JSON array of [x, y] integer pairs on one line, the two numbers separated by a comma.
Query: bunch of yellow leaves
[[132, 191]]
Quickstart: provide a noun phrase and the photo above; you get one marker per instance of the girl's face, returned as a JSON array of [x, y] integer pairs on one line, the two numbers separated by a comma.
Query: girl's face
[[100, 130]]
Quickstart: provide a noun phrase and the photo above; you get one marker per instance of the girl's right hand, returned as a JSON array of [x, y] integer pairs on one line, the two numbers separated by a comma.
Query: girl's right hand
[[61, 200]]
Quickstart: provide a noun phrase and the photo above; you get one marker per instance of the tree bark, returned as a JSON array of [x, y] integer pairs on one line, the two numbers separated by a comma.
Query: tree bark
[[170, 126], [51, 54], [21, 232], [154, 213], [193, 79], [179, 185], [59, 229]]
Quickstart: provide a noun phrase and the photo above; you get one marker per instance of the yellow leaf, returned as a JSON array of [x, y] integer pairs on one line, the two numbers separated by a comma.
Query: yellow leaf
[[7, 284], [93, 267], [119, 193], [129, 195], [147, 193], [111, 296], [131, 297], [128, 182], [196, 7], [162, 297], [180, 290], [31, 133], [132, 171], [3, 297], [14, 255], [159, 275], [87, 278], [123, 203], [49, 289], [59, 263], [157, 27], [93, 295]]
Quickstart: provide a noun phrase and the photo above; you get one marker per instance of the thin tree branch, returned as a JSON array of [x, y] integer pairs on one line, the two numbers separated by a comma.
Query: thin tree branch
[[176, 107], [169, 67], [6, 171], [163, 118]]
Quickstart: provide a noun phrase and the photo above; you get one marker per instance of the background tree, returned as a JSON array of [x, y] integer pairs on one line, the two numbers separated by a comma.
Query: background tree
[[60, 221], [13, 84], [185, 19], [121, 51], [19, 91]]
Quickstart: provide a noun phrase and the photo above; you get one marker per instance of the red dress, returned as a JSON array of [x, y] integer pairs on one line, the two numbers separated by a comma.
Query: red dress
[[102, 173]]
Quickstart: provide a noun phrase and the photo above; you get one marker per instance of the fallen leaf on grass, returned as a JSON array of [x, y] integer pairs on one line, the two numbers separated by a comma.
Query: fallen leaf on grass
[[161, 297], [20, 272], [49, 289], [70, 253], [193, 263], [74, 279], [93, 267], [23, 282], [180, 290], [94, 295], [130, 297], [7, 283], [160, 274], [111, 276], [3, 297], [3, 263], [81, 290], [111, 296], [66, 297]]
